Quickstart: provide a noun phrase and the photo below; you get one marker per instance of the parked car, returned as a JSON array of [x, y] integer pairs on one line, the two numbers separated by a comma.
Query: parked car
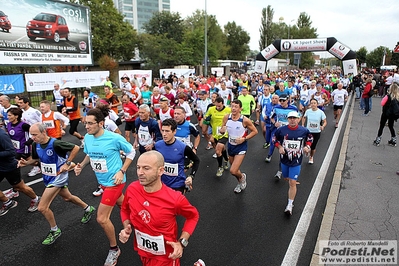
[[48, 26], [5, 23]]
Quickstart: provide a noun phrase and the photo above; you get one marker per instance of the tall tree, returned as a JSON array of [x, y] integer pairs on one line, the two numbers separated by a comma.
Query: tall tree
[[237, 40], [111, 35], [361, 54], [266, 27], [374, 58], [169, 24]]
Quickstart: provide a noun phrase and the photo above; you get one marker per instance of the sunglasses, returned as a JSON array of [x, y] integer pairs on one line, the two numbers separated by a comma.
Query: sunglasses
[[281, 100]]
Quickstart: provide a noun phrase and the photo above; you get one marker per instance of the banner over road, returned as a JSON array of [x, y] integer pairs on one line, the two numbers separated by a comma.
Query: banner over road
[[45, 32]]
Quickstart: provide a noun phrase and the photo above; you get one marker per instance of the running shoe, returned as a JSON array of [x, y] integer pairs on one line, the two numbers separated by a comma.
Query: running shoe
[[214, 156], [266, 145], [237, 189], [209, 146], [377, 141], [220, 171], [10, 193], [243, 183], [33, 205], [5, 208], [277, 176], [98, 192], [310, 160], [288, 209], [268, 158], [87, 215], [35, 171], [225, 164], [51, 237], [112, 257], [257, 123], [392, 142]]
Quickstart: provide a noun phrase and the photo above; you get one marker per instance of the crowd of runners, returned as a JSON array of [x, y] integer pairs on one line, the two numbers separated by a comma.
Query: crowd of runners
[[287, 108]]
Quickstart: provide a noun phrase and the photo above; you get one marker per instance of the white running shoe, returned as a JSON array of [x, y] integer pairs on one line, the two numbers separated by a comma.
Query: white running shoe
[[214, 156], [288, 209], [10, 193], [310, 160], [277, 176], [82, 144], [98, 192], [35, 171], [112, 257]]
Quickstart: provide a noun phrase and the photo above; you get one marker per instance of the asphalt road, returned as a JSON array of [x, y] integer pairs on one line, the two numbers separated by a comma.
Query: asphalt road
[[234, 229]]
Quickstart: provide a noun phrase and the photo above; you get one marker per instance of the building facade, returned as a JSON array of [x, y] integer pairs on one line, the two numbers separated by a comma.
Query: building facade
[[137, 12]]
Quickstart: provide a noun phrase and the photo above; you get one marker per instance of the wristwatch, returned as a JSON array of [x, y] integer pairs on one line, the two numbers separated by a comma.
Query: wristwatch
[[183, 242], [68, 163]]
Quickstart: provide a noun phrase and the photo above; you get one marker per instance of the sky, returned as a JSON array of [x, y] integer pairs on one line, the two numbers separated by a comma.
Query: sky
[[355, 23]]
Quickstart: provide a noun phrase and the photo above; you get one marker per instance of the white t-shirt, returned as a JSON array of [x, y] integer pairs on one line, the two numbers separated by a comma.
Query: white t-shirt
[[31, 116], [339, 96]]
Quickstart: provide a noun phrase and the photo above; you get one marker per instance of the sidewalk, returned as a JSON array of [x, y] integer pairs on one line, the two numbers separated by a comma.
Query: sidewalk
[[363, 203]]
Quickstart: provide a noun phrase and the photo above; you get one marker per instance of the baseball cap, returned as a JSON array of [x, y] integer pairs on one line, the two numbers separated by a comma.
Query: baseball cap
[[164, 99], [202, 92], [293, 114], [283, 97]]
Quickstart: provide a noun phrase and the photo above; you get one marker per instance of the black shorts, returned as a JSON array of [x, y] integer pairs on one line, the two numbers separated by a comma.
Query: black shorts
[[223, 140], [336, 107], [73, 126], [130, 126], [13, 177], [316, 137]]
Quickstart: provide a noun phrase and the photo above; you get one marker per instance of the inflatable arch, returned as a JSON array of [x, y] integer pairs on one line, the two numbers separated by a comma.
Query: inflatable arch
[[331, 45]]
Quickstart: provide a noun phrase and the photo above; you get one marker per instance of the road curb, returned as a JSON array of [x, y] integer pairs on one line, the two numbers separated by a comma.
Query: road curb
[[328, 215]]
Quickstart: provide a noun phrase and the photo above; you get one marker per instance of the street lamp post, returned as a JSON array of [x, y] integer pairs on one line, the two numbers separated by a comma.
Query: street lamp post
[[288, 37], [206, 43]]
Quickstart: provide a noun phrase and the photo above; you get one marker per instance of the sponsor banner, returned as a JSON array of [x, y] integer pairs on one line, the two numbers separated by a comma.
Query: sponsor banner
[[260, 66], [269, 52], [49, 32], [303, 45], [138, 74], [219, 71], [350, 66], [361, 252], [12, 84], [178, 71], [339, 50], [46, 81]]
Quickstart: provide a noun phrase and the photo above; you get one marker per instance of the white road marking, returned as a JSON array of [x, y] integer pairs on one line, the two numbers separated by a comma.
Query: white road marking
[[295, 246]]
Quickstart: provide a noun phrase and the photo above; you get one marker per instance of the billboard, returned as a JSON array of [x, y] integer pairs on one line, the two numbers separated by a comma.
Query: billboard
[[12, 84], [46, 81], [45, 32], [303, 45]]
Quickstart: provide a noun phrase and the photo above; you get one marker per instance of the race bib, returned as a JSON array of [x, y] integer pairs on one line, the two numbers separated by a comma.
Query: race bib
[[292, 145], [49, 124], [171, 169], [340, 97], [152, 244], [16, 144], [157, 106], [146, 101], [233, 140], [144, 136], [49, 169], [99, 165]]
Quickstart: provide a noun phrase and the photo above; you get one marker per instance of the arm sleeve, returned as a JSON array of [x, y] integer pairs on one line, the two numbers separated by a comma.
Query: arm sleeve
[[193, 157], [189, 212], [59, 116]]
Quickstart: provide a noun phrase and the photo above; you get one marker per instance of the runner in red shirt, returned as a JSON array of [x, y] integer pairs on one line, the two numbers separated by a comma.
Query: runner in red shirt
[[131, 111], [149, 211]]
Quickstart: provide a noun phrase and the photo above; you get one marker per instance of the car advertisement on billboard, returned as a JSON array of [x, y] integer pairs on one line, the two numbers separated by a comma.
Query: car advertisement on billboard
[[44, 32]]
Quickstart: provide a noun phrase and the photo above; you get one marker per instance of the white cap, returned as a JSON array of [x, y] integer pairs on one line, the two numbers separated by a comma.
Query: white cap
[[199, 262], [293, 114]]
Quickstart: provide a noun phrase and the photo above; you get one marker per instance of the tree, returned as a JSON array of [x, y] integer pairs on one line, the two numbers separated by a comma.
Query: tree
[[111, 34], [169, 24], [361, 54], [374, 58], [238, 40], [108, 63], [266, 27]]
